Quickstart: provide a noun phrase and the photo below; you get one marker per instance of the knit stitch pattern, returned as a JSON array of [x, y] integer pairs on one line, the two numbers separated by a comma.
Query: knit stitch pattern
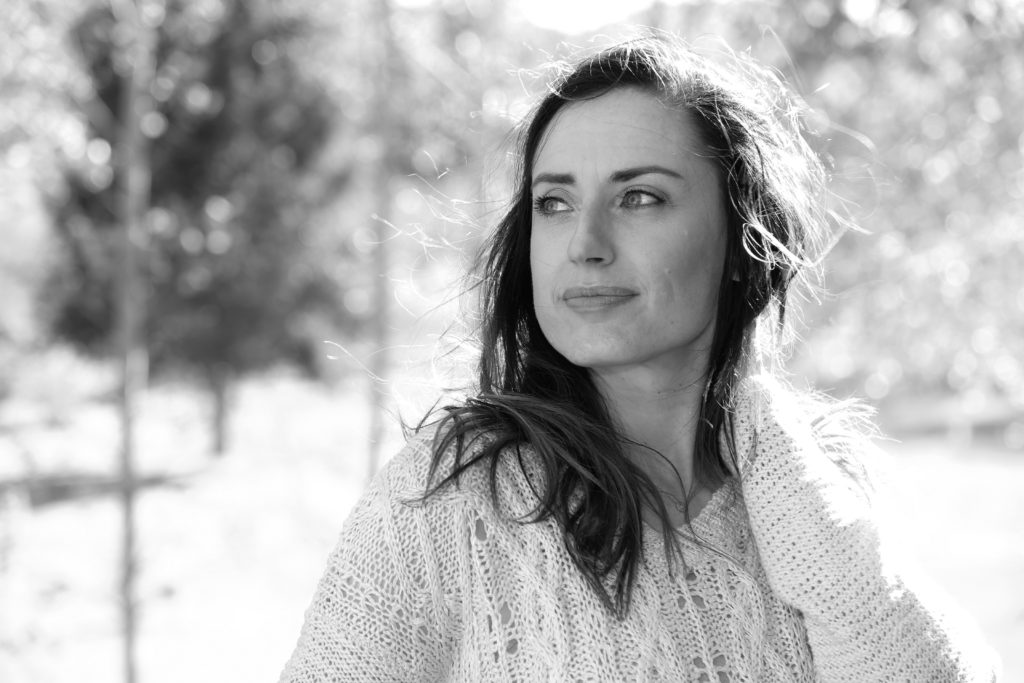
[[789, 582]]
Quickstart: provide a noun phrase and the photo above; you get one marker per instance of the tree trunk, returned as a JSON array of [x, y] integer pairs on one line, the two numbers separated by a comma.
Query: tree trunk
[[381, 50], [133, 197], [220, 395]]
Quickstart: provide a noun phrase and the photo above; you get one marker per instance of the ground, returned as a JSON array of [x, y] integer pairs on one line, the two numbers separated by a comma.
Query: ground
[[231, 548]]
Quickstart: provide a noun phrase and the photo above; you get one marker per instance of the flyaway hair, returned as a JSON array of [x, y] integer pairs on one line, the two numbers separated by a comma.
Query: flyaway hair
[[528, 394]]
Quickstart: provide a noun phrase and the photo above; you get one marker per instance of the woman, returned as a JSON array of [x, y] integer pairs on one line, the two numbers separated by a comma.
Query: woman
[[631, 495]]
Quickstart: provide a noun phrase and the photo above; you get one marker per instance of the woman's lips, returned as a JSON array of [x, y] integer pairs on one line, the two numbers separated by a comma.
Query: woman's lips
[[596, 297]]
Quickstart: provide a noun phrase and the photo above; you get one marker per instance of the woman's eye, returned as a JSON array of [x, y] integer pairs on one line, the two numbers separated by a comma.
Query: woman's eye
[[550, 205], [637, 198]]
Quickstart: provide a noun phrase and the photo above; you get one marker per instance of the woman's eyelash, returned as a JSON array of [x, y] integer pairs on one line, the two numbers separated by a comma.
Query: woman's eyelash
[[540, 204], [543, 204], [651, 197]]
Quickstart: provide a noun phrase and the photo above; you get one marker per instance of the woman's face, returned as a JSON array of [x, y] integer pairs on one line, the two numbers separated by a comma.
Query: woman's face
[[628, 238]]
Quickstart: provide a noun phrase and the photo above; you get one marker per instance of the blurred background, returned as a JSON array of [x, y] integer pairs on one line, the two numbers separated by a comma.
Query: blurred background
[[233, 233]]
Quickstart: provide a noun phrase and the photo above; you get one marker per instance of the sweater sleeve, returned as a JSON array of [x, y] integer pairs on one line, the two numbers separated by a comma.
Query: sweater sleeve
[[376, 613], [820, 541]]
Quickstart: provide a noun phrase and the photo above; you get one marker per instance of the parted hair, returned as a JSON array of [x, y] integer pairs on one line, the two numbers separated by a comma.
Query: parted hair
[[775, 192]]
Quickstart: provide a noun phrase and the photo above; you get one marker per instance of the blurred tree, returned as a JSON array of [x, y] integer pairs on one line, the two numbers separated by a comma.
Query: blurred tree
[[135, 56], [934, 85], [234, 284], [422, 86], [36, 78], [921, 305], [915, 100]]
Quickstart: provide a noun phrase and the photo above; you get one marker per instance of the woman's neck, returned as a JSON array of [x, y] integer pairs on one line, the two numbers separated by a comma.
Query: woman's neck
[[657, 415]]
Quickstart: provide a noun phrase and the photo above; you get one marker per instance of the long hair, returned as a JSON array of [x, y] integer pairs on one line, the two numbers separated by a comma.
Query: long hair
[[773, 184]]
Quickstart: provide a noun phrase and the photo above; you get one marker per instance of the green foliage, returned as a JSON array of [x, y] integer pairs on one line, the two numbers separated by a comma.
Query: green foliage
[[234, 283]]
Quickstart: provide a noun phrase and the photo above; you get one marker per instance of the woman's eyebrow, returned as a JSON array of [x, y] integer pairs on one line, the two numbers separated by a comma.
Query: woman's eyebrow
[[630, 173], [622, 176], [554, 179]]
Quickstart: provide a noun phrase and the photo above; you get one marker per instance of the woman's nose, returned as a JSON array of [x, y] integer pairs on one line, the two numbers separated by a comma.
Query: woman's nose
[[590, 242]]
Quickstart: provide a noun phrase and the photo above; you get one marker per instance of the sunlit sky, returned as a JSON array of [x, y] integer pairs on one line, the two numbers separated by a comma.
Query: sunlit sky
[[567, 16], [577, 16]]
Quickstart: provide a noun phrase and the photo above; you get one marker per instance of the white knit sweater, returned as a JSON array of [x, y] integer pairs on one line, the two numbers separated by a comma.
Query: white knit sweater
[[800, 588]]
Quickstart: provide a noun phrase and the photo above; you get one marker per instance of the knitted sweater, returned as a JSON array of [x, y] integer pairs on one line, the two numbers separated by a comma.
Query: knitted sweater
[[796, 584]]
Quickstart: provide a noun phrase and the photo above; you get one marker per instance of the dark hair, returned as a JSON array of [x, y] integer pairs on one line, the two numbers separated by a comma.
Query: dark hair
[[774, 185]]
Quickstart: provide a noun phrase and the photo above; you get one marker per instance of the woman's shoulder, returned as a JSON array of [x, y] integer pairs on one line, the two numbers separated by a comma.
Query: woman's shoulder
[[442, 464], [766, 397], [768, 408], [407, 469]]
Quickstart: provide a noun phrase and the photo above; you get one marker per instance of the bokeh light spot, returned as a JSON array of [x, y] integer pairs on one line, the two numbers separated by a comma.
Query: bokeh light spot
[[988, 109], [98, 151], [264, 52], [984, 340], [218, 242], [153, 124], [218, 208], [192, 240], [467, 44], [860, 11]]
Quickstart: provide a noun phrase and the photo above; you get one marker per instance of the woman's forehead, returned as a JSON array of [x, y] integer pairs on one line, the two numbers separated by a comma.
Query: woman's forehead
[[623, 126]]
